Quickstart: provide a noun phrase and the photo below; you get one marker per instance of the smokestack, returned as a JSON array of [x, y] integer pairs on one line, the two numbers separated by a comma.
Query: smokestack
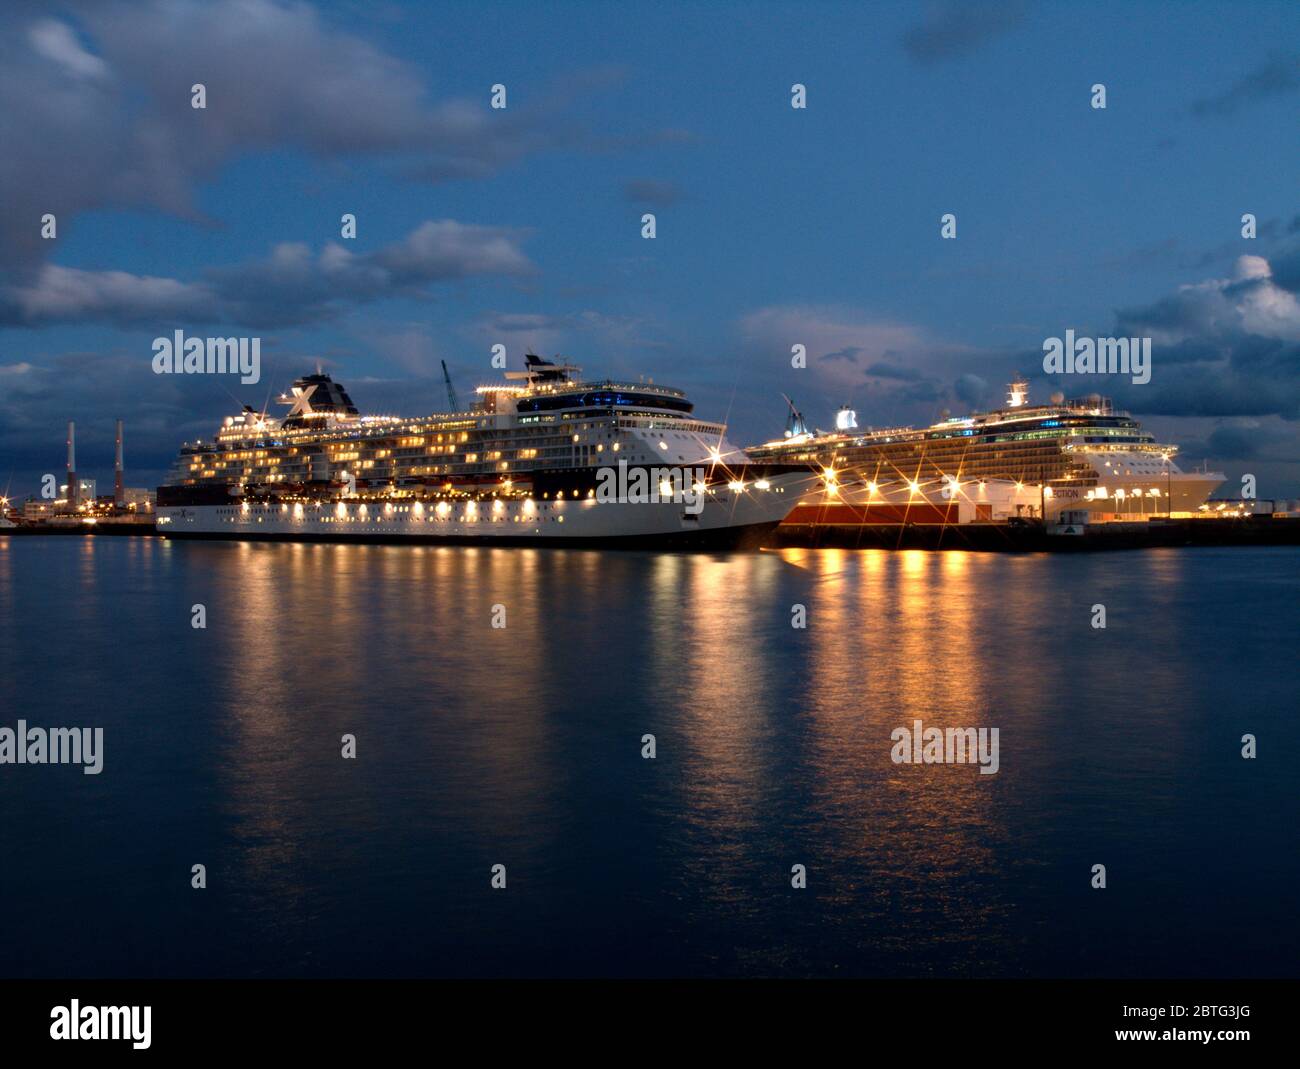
[[72, 464], [119, 491]]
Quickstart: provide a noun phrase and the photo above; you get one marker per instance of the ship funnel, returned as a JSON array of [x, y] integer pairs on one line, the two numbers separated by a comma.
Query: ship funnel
[[119, 490], [72, 463]]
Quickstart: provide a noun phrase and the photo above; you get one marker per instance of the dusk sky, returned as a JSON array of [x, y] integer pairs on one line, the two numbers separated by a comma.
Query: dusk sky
[[776, 226]]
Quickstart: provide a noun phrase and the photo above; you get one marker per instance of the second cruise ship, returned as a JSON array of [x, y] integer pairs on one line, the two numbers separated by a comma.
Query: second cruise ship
[[1081, 454]]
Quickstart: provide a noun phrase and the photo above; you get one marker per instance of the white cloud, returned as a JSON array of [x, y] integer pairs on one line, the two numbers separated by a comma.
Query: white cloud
[[55, 40], [291, 285]]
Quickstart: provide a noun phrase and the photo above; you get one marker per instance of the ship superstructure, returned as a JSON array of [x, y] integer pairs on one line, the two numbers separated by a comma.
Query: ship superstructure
[[543, 456], [1079, 454]]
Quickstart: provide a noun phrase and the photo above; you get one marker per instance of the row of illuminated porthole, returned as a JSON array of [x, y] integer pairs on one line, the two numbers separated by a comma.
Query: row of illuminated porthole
[[463, 518]]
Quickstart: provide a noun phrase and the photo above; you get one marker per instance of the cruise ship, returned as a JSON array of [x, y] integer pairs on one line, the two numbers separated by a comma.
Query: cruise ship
[[543, 457], [1080, 454]]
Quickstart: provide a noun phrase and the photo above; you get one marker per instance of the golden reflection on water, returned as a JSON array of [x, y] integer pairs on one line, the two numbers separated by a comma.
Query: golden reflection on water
[[894, 644], [710, 615], [522, 743], [335, 639], [890, 639], [762, 727], [8, 622]]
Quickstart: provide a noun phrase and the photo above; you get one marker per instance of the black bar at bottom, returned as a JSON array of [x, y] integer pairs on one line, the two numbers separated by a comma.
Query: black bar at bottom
[[344, 1017]]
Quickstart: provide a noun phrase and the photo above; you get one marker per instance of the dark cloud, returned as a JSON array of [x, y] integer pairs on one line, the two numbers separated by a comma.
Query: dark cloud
[[92, 389], [293, 285], [1235, 441], [1186, 312], [1278, 75], [971, 390], [882, 370], [956, 29], [927, 393], [95, 109], [1226, 389], [848, 354], [1225, 348], [1286, 270]]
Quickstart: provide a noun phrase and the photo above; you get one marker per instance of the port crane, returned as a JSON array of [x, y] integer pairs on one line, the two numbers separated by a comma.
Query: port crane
[[795, 427], [451, 390]]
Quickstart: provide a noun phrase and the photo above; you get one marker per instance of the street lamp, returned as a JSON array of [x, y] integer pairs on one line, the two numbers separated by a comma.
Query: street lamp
[[1169, 478]]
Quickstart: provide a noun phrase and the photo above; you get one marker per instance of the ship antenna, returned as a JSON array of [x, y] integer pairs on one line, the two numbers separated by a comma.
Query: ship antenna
[[726, 417], [231, 394]]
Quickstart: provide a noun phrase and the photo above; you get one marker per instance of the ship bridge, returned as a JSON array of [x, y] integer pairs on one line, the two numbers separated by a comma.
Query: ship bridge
[[552, 387]]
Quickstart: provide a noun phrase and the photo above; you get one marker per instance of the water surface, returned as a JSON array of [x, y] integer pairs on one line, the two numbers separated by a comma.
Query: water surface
[[522, 746]]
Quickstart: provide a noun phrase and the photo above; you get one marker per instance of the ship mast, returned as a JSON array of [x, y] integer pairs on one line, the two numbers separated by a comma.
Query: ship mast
[[1017, 391]]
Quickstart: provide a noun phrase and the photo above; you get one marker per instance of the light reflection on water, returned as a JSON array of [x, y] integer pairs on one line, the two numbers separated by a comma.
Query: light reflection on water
[[521, 745]]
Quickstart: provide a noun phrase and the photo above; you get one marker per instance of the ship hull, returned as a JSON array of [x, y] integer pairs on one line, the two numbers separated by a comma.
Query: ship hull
[[746, 537], [725, 520], [1183, 492]]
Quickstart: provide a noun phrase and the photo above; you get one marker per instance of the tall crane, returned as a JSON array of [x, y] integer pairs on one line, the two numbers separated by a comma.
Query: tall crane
[[451, 390]]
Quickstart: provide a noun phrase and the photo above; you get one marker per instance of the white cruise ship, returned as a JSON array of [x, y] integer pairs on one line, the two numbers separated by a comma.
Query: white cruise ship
[[544, 457], [1078, 454]]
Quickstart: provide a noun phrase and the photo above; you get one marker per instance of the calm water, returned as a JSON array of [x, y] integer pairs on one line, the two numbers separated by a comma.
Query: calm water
[[522, 747]]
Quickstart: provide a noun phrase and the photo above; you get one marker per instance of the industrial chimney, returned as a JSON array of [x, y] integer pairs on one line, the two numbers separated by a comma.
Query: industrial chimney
[[72, 464], [119, 490]]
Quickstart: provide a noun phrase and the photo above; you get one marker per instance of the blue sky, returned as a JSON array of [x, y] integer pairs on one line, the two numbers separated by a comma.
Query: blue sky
[[776, 226]]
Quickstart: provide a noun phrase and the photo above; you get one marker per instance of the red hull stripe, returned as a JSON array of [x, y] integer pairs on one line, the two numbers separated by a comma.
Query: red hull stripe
[[841, 513]]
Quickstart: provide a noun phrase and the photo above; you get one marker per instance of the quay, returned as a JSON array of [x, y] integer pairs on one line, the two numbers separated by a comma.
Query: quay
[[1035, 537], [1014, 536]]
